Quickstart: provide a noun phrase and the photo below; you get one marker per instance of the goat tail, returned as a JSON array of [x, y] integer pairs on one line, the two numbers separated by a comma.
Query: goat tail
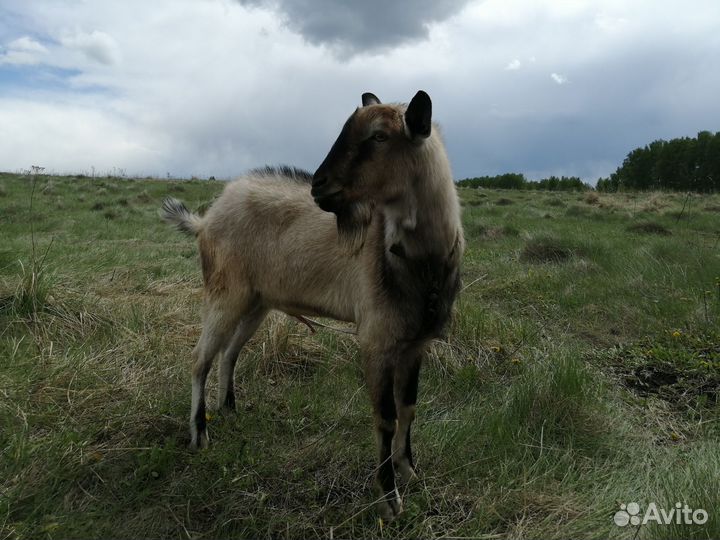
[[177, 214]]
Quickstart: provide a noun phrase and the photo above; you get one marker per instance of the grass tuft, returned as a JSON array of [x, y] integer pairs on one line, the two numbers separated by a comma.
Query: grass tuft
[[650, 227], [32, 292], [592, 198], [504, 201], [546, 249]]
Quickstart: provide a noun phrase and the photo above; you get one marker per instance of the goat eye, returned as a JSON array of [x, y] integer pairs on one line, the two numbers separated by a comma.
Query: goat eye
[[380, 136]]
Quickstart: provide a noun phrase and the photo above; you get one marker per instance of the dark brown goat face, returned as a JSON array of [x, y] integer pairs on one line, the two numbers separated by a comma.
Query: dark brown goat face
[[372, 158]]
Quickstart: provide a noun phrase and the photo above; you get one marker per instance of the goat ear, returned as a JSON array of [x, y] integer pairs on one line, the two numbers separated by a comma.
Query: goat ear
[[368, 98], [418, 116]]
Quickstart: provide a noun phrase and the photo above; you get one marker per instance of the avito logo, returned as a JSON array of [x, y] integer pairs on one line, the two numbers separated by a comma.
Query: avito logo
[[679, 514]]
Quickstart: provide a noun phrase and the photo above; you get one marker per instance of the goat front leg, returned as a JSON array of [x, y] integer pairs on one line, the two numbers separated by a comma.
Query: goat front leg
[[379, 377], [407, 374]]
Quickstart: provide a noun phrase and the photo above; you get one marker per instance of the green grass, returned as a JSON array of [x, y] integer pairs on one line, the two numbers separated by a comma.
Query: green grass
[[581, 372]]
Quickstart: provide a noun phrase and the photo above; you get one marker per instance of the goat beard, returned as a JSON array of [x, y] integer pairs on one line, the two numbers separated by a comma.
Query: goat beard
[[352, 225]]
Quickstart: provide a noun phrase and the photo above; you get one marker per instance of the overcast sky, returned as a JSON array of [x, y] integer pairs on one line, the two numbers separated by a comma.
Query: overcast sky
[[215, 87]]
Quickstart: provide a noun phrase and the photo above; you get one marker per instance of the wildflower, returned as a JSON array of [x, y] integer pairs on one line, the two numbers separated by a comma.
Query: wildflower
[[496, 348], [515, 360], [676, 334]]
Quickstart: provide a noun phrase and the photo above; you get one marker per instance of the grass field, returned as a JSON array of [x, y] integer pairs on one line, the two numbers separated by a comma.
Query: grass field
[[581, 372]]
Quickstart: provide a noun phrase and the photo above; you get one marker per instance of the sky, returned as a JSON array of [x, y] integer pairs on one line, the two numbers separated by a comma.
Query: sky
[[216, 87]]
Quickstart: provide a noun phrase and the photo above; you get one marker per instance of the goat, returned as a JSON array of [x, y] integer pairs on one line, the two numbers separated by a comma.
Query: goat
[[373, 237]]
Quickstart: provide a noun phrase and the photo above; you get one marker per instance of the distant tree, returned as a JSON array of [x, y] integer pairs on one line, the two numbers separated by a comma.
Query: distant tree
[[602, 184], [518, 181], [564, 183], [502, 181], [708, 169], [687, 164]]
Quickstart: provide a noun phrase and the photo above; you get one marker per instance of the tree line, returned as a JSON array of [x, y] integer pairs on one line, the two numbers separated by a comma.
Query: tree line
[[684, 164], [518, 181]]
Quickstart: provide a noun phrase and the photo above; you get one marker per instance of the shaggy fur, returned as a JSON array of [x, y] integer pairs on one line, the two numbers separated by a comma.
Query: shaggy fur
[[376, 240]]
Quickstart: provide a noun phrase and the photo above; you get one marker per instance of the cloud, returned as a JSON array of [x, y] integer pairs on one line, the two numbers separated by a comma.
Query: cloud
[[75, 138], [366, 26], [23, 51], [27, 44], [217, 87], [514, 65], [610, 24], [559, 79], [95, 45]]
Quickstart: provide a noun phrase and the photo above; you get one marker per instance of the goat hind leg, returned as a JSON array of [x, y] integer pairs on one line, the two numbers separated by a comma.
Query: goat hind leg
[[245, 329], [218, 325]]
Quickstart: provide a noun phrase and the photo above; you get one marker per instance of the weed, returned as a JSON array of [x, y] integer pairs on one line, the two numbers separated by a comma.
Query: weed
[[33, 289]]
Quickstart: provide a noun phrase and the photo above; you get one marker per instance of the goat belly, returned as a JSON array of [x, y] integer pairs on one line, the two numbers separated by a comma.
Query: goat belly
[[297, 309]]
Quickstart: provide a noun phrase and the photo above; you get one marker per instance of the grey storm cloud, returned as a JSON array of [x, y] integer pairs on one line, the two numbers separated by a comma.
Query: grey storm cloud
[[215, 88], [356, 27]]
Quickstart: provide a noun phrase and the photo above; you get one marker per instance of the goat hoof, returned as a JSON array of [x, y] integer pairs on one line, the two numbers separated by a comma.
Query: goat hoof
[[227, 404], [390, 507], [198, 441], [227, 409], [407, 473]]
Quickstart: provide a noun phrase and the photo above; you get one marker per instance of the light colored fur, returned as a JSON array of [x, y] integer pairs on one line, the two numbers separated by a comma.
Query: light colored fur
[[270, 244]]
